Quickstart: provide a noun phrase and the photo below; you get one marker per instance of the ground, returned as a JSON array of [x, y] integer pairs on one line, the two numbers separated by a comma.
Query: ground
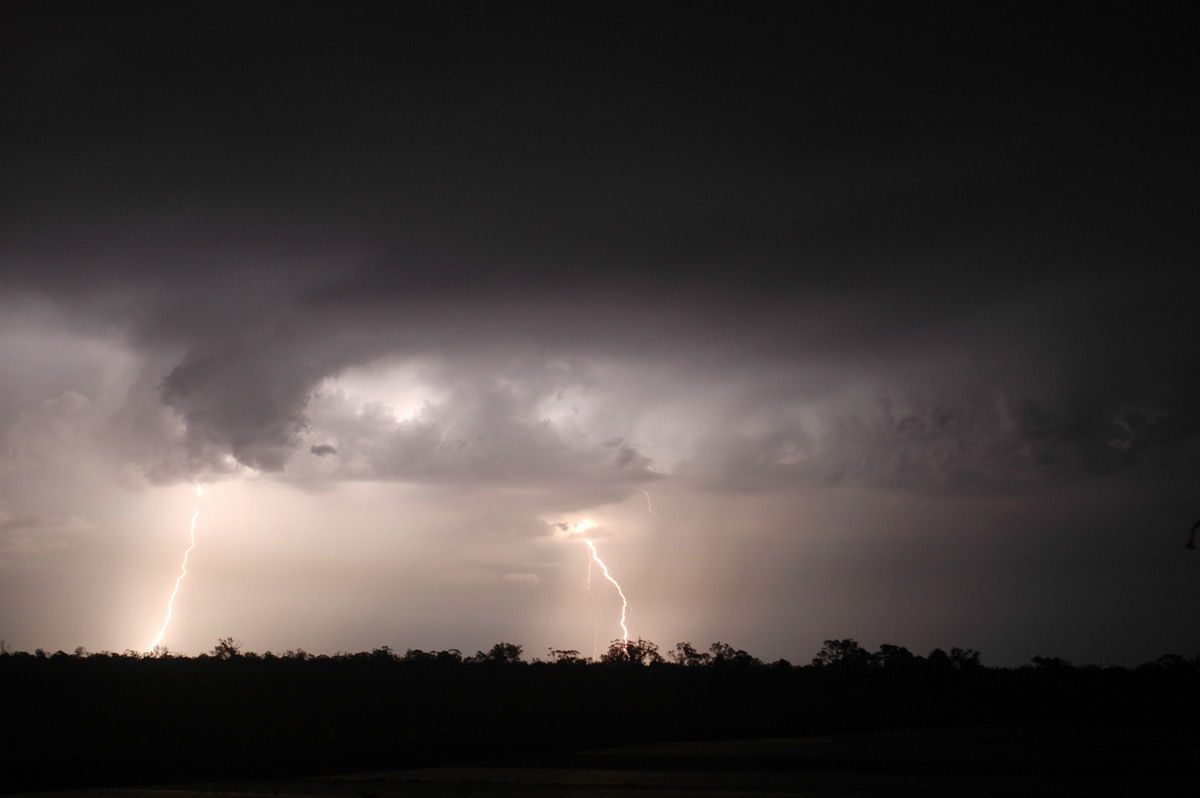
[[999, 759]]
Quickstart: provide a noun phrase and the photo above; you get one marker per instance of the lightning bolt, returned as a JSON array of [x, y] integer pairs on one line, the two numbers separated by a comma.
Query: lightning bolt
[[578, 531], [604, 568], [650, 507], [183, 571]]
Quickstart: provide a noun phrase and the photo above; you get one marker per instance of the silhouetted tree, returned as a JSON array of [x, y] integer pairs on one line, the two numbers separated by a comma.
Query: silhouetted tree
[[451, 656], [686, 654], [500, 654], [894, 659], [939, 661], [1173, 662], [725, 655], [566, 656], [227, 648], [965, 659], [1050, 663], [842, 655], [384, 653], [632, 652]]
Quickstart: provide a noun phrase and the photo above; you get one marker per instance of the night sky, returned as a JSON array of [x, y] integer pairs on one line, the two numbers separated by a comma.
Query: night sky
[[827, 320]]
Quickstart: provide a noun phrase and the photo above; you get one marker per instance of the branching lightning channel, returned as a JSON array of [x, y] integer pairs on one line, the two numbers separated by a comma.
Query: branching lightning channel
[[183, 572], [579, 531], [604, 568]]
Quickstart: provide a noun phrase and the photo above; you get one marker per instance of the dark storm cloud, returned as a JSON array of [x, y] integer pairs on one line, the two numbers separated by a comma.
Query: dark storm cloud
[[229, 405], [736, 192], [322, 450], [992, 441]]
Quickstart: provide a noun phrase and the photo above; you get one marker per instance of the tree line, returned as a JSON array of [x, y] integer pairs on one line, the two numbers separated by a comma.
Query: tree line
[[845, 655], [72, 719]]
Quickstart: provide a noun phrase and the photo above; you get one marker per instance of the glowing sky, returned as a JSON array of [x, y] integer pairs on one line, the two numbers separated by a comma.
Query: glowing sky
[[885, 314]]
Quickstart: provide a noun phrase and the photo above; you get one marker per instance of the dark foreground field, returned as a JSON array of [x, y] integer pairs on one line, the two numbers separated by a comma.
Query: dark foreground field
[[120, 726], [1007, 759]]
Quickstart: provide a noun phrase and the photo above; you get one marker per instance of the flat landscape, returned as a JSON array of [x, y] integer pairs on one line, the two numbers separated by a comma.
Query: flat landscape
[[986, 760], [380, 724]]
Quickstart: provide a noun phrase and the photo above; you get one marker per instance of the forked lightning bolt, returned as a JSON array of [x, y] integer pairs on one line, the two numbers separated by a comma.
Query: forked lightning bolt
[[579, 531], [624, 603], [182, 573]]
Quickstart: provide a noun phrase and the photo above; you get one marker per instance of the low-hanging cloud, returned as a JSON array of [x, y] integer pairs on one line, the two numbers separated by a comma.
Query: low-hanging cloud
[[983, 441], [486, 430], [898, 409]]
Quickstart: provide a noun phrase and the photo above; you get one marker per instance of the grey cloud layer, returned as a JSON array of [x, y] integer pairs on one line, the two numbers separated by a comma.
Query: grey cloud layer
[[817, 389], [483, 432], [803, 214]]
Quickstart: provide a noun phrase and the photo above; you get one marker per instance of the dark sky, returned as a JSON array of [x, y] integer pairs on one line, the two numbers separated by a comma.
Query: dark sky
[[830, 319]]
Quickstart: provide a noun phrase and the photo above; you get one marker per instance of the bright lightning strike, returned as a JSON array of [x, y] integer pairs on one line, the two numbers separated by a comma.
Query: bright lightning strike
[[183, 572], [624, 603], [579, 531]]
